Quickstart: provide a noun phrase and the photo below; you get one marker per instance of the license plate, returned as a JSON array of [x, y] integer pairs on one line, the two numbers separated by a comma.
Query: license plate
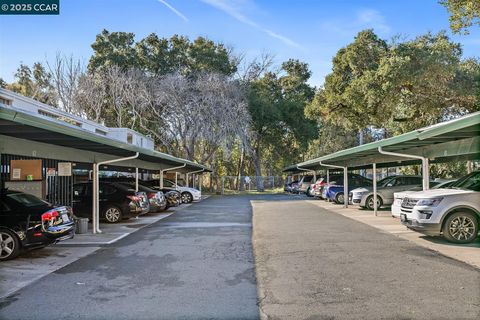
[[403, 217], [65, 217]]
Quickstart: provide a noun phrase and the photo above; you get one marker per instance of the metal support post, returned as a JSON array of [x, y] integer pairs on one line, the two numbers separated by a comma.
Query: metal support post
[[136, 179], [345, 181], [425, 165], [193, 179], [96, 189], [169, 169], [374, 188], [345, 187]]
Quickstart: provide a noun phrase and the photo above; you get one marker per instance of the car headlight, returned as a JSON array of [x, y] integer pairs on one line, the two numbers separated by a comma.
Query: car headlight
[[429, 202]]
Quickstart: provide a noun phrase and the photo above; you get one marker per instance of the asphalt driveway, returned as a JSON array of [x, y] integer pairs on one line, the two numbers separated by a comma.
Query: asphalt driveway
[[195, 264], [316, 264]]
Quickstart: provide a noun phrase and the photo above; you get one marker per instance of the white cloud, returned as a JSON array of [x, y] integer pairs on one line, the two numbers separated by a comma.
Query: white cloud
[[374, 19], [234, 9], [178, 13]]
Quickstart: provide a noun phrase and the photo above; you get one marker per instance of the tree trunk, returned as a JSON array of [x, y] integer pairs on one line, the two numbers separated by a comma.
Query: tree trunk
[[258, 170], [241, 171]]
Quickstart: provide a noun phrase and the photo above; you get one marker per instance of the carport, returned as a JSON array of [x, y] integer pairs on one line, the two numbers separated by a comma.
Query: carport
[[27, 135], [457, 139]]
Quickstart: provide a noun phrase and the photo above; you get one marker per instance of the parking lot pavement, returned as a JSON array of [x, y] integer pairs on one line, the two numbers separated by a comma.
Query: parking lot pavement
[[468, 253], [312, 263], [197, 263], [30, 267], [35, 264]]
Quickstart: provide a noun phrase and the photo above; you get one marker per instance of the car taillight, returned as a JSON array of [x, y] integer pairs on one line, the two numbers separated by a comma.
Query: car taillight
[[151, 195], [49, 215], [134, 198], [314, 186]]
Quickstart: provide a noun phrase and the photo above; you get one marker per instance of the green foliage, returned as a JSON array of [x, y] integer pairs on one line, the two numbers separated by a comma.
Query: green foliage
[[113, 48], [160, 56], [397, 87], [280, 131], [33, 82], [463, 14], [352, 94]]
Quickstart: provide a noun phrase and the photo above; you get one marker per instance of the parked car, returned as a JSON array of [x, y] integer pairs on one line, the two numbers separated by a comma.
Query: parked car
[[304, 184], [156, 198], [187, 194], [321, 182], [385, 190], [117, 201], [295, 187], [174, 198], [398, 196], [288, 186], [334, 191], [453, 212], [27, 222]]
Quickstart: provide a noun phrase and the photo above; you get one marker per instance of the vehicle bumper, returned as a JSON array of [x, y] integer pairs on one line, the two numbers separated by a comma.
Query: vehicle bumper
[[197, 196], [47, 238], [432, 229], [396, 211], [355, 199]]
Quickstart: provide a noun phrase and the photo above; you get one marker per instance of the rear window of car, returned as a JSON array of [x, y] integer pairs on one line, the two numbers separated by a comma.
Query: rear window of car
[[26, 199], [414, 180]]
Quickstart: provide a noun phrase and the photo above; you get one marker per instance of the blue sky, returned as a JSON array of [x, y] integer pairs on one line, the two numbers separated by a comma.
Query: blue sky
[[309, 30]]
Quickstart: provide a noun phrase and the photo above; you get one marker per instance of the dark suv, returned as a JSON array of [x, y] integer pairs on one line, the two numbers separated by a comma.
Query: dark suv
[[27, 222], [117, 201]]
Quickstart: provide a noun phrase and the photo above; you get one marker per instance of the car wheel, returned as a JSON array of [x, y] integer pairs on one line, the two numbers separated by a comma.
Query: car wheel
[[187, 197], [9, 245], [339, 198], [369, 203], [113, 214], [461, 227]]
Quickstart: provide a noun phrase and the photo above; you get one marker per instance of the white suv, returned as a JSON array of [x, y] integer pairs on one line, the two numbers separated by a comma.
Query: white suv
[[453, 212]]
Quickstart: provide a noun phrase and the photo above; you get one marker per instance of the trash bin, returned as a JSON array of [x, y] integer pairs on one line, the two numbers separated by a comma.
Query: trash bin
[[81, 225]]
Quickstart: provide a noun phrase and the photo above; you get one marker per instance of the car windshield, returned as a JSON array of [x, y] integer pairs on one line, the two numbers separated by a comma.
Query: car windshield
[[26, 199], [170, 184], [385, 181], [469, 182]]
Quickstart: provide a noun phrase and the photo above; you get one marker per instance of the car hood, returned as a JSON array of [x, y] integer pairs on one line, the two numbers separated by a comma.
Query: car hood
[[403, 194], [440, 192], [362, 189]]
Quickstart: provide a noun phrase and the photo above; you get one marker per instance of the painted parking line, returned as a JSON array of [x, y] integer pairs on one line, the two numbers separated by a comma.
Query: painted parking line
[[206, 225]]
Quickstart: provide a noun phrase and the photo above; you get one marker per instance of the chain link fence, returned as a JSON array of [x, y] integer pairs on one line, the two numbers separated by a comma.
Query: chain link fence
[[236, 184]]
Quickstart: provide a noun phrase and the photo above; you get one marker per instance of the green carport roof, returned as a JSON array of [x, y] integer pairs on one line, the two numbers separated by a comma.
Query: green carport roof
[[454, 139], [32, 127]]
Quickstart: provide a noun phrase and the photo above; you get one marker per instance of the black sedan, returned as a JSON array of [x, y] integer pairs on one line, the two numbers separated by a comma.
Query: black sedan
[[117, 201], [27, 222]]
